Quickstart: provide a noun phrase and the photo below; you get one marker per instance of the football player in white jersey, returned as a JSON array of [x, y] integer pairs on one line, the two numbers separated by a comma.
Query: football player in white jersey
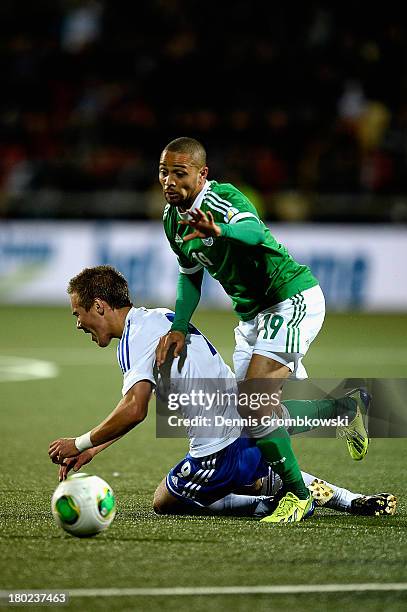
[[223, 471]]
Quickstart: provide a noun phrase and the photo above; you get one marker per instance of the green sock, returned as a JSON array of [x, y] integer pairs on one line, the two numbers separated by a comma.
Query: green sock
[[328, 408], [274, 447]]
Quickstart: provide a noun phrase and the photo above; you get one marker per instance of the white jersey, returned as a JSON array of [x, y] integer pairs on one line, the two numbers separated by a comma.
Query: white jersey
[[196, 369]]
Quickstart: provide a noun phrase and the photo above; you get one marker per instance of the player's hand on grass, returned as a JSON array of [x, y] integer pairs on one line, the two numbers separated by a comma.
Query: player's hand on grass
[[203, 224], [173, 338], [75, 463], [61, 449]]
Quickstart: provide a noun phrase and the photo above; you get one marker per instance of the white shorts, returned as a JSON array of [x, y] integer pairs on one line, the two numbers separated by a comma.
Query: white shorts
[[283, 332]]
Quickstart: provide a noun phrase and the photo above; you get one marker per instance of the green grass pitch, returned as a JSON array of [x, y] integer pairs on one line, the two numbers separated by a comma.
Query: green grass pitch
[[143, 550]]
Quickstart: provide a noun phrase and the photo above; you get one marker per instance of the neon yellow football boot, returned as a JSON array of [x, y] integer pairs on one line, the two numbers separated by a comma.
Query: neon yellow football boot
[[291, 509], [357, 438]]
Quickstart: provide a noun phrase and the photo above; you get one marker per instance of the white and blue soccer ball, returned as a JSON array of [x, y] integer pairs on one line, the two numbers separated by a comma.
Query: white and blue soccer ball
[[83, 505]]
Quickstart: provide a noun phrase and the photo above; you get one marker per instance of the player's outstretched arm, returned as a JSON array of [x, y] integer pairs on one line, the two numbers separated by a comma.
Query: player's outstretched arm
[[188, 296], [249, 230], [129, 412]]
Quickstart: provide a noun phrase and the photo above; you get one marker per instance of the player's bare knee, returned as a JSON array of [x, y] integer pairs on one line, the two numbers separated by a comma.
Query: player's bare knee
[[157, 501], [159, 505], [160, 508], [163, 501]]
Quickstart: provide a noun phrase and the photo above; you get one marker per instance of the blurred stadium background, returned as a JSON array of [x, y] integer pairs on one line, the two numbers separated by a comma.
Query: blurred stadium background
[[307, 115], [302, 106]]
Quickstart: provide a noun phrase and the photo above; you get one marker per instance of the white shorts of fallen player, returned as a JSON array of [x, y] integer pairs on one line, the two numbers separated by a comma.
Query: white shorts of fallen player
[[283, 332]]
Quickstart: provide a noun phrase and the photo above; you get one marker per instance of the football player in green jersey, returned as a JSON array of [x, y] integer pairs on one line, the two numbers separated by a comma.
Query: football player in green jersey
[[278, 301]]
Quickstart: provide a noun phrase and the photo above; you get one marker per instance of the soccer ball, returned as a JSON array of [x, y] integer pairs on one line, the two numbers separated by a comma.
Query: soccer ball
[[83, 505]]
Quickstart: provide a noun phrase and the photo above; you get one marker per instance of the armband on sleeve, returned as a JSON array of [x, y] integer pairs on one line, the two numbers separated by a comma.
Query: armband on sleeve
[[250, 231]]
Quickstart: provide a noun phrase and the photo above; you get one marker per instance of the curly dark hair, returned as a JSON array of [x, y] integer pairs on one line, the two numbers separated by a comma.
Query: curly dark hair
[[104, 282]]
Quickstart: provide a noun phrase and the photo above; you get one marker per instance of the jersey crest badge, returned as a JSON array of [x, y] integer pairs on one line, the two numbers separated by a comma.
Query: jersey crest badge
[[178, 239], [230, 213], [207, 241]]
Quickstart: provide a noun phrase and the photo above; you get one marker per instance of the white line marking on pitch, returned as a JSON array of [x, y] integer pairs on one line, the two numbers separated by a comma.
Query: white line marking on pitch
[[240, 590], [18, 369]]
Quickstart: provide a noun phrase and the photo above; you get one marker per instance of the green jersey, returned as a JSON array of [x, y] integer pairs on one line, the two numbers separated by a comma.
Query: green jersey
[[252, 267]]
